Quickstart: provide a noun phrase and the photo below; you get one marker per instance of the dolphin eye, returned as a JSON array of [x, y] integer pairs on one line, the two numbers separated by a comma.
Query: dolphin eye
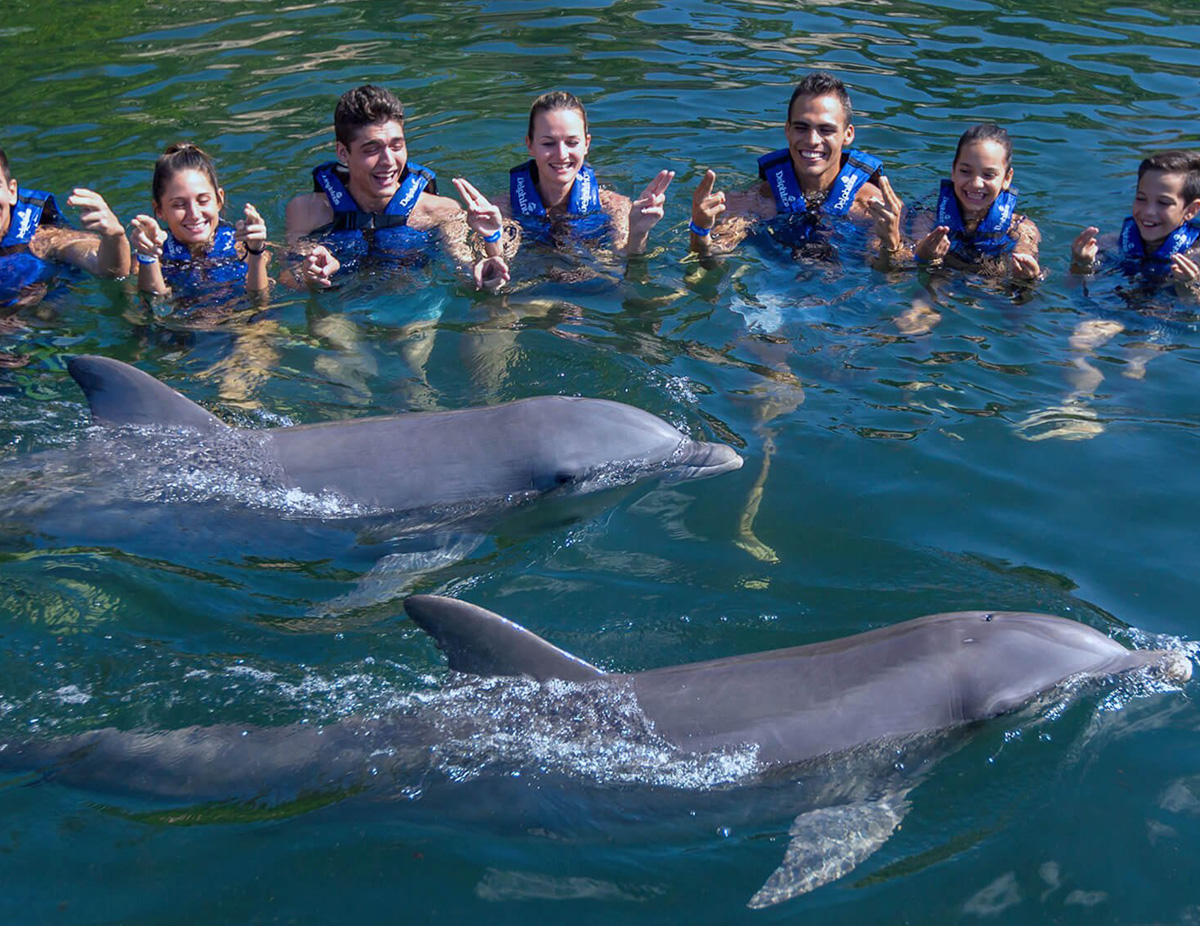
[[562, 477]]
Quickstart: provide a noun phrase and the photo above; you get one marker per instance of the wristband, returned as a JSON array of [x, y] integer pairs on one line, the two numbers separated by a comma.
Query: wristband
[[250, 250], [146, 259], [697, 230], [494, 236]]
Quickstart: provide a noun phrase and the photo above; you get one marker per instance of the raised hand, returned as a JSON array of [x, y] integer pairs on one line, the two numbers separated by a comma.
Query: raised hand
[[1184, 268], [146, 236], [1025, 267], [490, 273], [251, 230], [886, 212], [935, 245], [319, 267], [647, 209], [1085, 247], [707, 206], [483, 216], [94, 213]]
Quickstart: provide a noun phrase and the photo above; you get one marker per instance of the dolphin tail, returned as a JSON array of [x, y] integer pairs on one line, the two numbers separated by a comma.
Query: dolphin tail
[[829, 843], [482, 643], [701, 459], [120, 394]]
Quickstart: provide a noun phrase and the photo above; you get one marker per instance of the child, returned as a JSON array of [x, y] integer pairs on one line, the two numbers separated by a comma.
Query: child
[[1158, 240], [199, 246], [976, 225]]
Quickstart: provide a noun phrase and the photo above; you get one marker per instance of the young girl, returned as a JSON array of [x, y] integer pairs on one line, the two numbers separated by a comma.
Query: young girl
[[198, 247], [976, 225], [557, 187]]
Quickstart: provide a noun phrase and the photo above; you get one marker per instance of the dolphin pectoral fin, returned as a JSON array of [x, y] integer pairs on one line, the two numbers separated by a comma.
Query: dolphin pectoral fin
[[396, 573], [120, 394], [829, 843], [482, 643]]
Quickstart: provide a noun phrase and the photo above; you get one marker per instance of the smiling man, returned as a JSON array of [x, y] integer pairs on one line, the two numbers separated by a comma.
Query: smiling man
[[818, 174], [374, 201]]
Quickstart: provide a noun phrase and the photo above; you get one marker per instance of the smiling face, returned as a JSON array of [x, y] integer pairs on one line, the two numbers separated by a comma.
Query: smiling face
[[376, 159], [191, 207], [1159, 207], [817, 130], [979, 174], [558, 146]]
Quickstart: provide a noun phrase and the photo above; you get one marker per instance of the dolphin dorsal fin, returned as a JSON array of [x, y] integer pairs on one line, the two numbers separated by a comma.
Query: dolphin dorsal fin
[[120, 394], [482, 643]]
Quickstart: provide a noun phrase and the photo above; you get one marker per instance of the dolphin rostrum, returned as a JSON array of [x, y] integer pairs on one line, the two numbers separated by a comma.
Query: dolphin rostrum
[[842, 705]]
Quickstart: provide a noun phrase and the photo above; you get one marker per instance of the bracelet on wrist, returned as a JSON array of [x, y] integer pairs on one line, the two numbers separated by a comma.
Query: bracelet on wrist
[[494, 236], [250, 250], [146, 259], [697, 230]]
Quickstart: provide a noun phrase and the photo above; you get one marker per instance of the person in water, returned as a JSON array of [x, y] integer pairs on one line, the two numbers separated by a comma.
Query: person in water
[[557, 187], [976, 224], [1160, 238], [198, 245], [34, 234], [1159, 244], [373, 199], [817, 175]]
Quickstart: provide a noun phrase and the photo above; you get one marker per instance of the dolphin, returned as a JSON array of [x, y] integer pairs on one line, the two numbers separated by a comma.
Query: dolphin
[[413, 492], [421, 460], [835, 711]]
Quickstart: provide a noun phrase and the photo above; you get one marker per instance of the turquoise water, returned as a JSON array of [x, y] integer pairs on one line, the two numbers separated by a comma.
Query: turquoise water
[[906, 480]]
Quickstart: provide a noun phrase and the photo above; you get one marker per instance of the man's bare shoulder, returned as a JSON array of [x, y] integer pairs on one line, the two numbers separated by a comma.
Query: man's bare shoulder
[[306, 213], [432, 210], [755, 202]]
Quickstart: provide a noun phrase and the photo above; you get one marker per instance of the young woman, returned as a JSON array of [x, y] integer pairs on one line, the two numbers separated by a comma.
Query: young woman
[[555, 192], [976, 225], [199, 249]]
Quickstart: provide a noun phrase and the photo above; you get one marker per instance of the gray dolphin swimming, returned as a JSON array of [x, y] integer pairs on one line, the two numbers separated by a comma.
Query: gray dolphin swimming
[[414, 492], [425, 459], [831, 715]]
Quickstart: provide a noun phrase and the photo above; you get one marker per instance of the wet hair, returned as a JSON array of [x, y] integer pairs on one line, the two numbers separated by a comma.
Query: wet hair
[[1177, 162], [363, 106], [5, 172], [822, 83], [553, 101], [181, 156], [985, 131]]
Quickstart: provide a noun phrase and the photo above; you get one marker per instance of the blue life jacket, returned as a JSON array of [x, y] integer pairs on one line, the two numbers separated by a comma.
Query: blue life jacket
[[858, 168], [991, 236], [20, 269], [585, 217], [357, 234], [221, 264], [1134, 258]]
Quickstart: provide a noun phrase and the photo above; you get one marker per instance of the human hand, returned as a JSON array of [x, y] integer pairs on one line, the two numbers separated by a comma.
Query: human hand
[[319, 267], [146, 236], [707, 205], [647, 209], [251, 231], [886, 212], [935, 245], [483, 215], [1085, 247], [491, 273], [1184, 268], [94, 213], [1025, 267]]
